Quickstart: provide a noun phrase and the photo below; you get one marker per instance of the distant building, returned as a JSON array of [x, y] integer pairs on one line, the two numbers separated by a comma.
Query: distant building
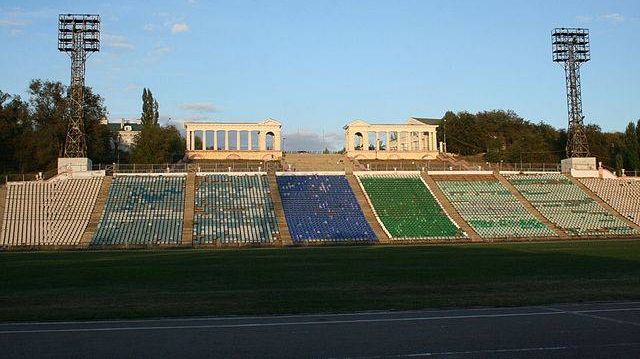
[[127, 131]]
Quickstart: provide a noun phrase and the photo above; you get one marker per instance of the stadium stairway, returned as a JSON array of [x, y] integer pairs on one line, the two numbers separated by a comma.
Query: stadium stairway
[[312, 162], [557, 230], [189, 207], [283, 228], [602, 203], [3, 201], [366, 209], [448, 208], [96, 213]]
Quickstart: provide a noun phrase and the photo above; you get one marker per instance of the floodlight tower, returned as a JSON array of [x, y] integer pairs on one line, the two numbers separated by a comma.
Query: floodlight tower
[[571, 48], [79, 35]]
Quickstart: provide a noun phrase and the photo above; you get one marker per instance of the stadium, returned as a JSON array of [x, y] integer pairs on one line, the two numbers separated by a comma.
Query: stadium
[[393, 246]]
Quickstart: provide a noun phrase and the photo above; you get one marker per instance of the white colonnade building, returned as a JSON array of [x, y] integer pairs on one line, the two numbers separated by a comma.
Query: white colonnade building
[[233, 141], [415, 140]]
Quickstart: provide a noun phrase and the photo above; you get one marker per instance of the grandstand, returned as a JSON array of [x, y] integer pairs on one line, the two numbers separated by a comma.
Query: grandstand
[[623, 195], [566, 205], [322, 207], [52, 213], [406, 208], [490, 209], [142, 210], [234, 209]]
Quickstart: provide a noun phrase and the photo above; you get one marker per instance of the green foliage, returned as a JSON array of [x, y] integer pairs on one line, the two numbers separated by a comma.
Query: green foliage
[[632, 152], [150, 114], [155, 144], [33, 132]]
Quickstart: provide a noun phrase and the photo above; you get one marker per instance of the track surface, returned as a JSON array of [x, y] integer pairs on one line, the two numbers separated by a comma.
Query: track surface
[[559, 331]]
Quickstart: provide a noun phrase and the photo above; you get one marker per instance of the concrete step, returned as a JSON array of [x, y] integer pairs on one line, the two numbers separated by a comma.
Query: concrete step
[[283, 228], [449, 209], [602, 203], [312, 162], [3, 201], [189, 204], [533, 210], [96, 213], [365, 205]]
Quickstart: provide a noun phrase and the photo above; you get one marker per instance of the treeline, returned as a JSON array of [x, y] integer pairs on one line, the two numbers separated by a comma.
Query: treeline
[[33, 131], [504, 136]]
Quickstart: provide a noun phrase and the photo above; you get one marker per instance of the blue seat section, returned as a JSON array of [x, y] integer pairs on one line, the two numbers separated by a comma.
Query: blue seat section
[[142, 210], [319, 207], [234, 209]]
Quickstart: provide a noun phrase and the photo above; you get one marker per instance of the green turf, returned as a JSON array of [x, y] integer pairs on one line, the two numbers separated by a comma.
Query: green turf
[[135, 284]]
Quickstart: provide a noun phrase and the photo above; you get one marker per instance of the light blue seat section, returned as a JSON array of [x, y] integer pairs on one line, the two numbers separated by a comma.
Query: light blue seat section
[[142, 210], [234, 209]]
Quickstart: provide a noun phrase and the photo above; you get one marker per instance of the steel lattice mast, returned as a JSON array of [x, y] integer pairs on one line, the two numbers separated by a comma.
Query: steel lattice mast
[[571, 47], [78, 34]]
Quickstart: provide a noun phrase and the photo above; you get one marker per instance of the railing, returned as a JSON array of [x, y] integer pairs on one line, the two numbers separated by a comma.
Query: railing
[[33, 176], [189, 167], [447, 166]]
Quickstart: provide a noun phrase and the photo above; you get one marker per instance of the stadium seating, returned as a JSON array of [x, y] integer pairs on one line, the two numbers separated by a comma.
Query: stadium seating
[[621, 194], [322, 207], [142, 210], [234, 209], [48, 213], [566, 205], [407, 208], [491, 210]]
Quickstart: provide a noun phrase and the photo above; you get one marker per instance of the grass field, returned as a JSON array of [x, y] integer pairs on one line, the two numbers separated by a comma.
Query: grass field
[[137, 284]]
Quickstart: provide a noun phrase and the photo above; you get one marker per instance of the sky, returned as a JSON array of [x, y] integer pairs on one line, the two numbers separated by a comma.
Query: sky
[[317, 65]]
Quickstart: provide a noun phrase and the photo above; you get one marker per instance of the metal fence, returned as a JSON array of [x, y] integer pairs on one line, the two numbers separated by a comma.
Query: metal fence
[[447, 166]]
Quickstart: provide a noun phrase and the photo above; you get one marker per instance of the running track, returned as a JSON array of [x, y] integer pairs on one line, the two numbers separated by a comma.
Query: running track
[[557, 331]]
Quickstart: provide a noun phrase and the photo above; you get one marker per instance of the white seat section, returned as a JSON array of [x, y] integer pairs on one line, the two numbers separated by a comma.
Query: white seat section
[[48, 213], [623, 195]]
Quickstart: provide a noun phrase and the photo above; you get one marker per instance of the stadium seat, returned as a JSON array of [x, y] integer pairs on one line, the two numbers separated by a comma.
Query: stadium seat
[[322, 208], [407, 208], [491, 210], [234, 209], [48, 213], [142, 210], [621, 194], [566, 205]]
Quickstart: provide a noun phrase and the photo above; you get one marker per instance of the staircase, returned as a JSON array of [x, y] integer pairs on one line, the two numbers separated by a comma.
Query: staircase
[[96, 214], [602, 203], [283, 228], [189, 204], [449, 209], [311, 162], [3, 201], [366, 209], [533, 210]]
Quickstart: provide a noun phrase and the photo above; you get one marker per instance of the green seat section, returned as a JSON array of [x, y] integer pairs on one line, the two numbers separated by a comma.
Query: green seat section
[[491, 210], [407, 208], [234, 209], [566, 205], [142, 210]]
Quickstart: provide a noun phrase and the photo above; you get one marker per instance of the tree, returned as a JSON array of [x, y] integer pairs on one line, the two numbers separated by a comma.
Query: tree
[[155, 144], [632, 159], [150, 114]]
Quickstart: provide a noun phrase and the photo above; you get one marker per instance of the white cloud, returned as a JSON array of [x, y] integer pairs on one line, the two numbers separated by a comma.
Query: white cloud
[[613, 17], [149, 27], [179, 27], [583, 19], [205, 107], [116, 41], [305, 140]]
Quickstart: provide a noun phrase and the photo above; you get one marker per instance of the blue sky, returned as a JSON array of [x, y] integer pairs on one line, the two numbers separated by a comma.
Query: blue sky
[[316, 65]]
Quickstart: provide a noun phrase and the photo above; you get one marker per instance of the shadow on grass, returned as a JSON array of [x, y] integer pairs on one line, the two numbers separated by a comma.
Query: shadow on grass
[[137, 284]]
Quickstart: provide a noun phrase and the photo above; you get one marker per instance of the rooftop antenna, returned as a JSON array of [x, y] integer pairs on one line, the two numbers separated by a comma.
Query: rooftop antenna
[[570, 46], [79, 35]]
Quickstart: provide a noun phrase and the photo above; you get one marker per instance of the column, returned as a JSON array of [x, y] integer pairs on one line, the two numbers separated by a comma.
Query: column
[[434, 141], [388, 148], [204, 140], [377, 141], [262, 141], [277, 141], [238, 140], [215, 140], [365, 140], [226, 140], [188, 139], [193, 140]]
